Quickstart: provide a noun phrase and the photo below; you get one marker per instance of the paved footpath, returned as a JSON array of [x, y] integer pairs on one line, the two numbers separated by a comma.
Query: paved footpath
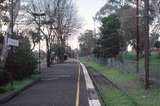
[[58, 88]]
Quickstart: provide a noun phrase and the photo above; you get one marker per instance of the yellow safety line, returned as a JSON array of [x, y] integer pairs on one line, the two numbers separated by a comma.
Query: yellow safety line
[[78, 86]]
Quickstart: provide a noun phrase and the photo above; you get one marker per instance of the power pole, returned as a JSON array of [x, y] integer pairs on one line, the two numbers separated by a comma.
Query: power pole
[[39, 28], [11, 35], [137, 26], [146, 13], [12, 18]]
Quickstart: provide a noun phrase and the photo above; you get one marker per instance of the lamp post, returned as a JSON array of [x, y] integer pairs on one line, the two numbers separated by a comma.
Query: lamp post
[[39, 28]]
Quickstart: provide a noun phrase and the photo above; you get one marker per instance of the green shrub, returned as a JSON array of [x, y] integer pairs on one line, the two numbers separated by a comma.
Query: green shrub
[[22, 63], [4, 77]]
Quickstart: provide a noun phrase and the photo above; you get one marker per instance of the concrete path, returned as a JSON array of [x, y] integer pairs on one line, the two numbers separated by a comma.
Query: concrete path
[[59, 87]]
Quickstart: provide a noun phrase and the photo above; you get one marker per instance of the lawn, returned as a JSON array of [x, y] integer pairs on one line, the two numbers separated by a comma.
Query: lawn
[[130, 84], [154, 58], [114, 97], [17, 84]]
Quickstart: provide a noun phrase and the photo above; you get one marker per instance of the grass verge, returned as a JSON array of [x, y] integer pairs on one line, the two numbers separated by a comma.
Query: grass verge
[[17, 84], [130, 84], [110, 95]]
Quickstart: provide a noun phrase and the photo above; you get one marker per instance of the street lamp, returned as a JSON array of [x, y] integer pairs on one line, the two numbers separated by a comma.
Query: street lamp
[[39, 28]]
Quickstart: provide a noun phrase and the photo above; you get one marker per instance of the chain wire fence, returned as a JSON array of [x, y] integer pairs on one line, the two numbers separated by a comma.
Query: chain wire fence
[[130, 66]]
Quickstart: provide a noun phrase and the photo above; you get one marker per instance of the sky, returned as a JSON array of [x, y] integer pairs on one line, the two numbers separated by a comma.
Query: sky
[[86, 11]]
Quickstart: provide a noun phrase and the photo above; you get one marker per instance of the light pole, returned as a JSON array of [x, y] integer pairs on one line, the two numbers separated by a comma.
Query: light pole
[[39, 28]]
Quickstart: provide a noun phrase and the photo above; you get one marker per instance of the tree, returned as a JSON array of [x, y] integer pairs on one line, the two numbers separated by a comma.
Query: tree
[[127, 16], [156, 13], [66, 21], [23, 63], [59, 22], [3, 10], [34, 37], [126, 12], [87, 42], [157, 44], [112, 6], [16, 7], [109, 40], [154, 39]]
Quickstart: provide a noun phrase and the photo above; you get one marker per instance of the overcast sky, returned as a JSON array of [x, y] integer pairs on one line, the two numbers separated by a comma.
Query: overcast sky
[[86, 10]]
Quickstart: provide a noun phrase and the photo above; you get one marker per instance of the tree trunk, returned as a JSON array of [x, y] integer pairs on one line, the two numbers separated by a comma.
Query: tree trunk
[[62, 51], [48, 54], [48, 58]]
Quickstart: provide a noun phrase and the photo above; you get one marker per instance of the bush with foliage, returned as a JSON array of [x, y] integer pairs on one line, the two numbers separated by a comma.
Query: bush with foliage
[[157, 44], [22, 63], [4, 77], [109, 42]]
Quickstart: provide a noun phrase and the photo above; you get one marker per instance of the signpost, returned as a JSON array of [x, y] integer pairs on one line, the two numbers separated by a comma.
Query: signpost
[[13, 42]]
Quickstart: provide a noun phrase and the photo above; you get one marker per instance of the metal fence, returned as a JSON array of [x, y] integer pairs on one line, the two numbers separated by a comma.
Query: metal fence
[[129, 66]]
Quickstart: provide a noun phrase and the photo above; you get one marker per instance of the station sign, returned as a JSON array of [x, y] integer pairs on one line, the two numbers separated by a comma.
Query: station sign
[[13, 42]]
